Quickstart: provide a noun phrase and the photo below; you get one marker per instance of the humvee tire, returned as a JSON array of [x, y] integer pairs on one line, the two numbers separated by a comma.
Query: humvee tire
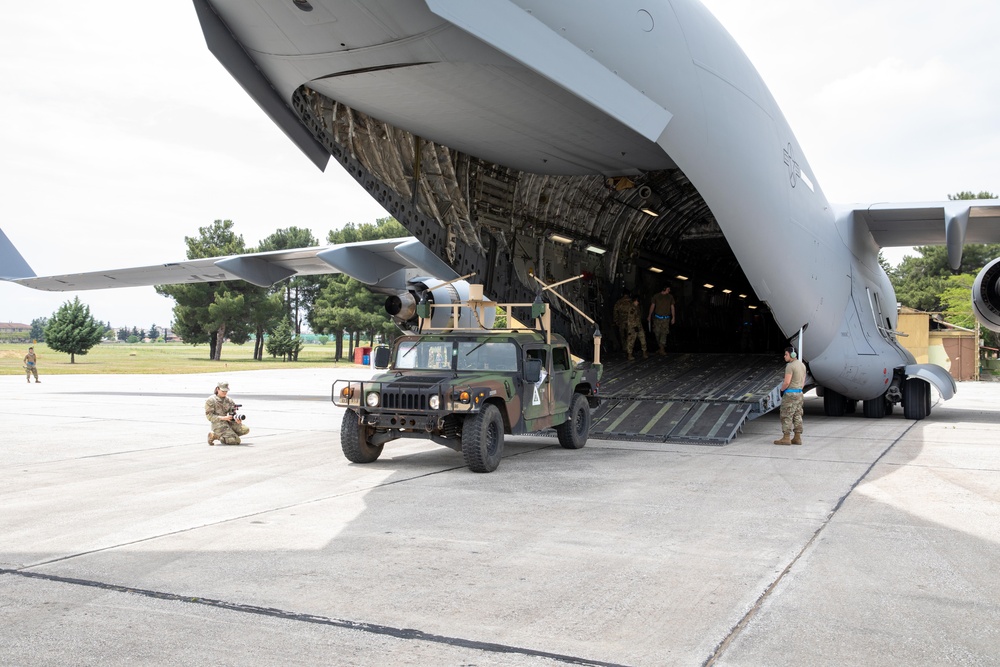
[[574, 431], [482, 439], [354, 440]]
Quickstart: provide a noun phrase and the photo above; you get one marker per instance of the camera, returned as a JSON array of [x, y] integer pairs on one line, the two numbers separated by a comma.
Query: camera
[[233, 412]]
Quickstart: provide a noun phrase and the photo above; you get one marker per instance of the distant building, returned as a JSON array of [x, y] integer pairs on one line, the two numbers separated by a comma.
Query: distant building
[[932, 340], [15, 328]]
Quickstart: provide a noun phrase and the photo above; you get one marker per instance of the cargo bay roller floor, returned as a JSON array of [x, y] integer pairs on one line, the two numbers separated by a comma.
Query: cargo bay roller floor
[[686, 397]]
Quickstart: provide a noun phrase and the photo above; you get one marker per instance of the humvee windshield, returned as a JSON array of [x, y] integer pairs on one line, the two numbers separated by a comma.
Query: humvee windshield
[[457, 355]]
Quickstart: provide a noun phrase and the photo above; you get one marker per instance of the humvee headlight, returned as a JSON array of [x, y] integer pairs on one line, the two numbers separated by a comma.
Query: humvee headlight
[[464, 397], [372, 399], [434, 402], [346, 392]]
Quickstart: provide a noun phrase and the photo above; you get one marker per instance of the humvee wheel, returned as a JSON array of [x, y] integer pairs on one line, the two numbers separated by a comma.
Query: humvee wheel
[[354, 440], [482, 439], [574, 431]]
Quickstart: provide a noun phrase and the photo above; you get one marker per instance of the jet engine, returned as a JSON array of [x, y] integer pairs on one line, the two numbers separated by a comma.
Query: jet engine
[[403, 306], [986, 296]]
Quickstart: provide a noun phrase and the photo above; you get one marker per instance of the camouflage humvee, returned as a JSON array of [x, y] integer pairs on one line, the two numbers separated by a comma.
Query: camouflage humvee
[[465, 390]]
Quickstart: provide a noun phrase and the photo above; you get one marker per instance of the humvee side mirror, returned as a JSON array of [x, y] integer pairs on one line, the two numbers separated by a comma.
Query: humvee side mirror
[[382, 356], [532, 370]]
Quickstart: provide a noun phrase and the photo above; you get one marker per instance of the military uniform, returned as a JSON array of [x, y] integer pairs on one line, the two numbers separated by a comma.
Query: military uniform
[[661, 312], [620, 316], [791, 404], [633, 326], [30, 366], [227, 432]]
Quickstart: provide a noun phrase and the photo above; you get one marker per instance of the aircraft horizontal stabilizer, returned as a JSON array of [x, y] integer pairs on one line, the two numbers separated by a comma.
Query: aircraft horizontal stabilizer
[[951, 223]]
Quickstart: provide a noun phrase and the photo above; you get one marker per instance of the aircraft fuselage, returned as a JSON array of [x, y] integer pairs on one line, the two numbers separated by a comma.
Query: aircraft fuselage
[[487, 128]]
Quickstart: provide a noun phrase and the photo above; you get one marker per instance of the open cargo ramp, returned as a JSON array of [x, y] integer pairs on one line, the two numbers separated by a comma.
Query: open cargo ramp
[[705, 398]]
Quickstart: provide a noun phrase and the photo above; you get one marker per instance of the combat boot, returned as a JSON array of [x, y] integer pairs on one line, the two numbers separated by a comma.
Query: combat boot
[[784, 439], [629, 358], [797, 438], [211, 438]]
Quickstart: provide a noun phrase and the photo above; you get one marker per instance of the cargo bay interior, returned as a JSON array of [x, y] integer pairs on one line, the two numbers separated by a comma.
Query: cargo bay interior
[[633, 232]]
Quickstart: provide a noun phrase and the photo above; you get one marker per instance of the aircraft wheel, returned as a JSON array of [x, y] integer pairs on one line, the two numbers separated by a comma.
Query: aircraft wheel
[[834, 403], [355, 440], [574, 431], [482, 439], [875, 407], [915, 395]]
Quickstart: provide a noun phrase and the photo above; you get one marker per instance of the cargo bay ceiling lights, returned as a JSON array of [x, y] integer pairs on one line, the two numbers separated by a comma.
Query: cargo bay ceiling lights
[[559, 238], [597, 250], [649, 201]]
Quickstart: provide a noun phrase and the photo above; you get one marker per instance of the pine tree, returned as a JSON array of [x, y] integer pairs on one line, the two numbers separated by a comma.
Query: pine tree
[[73, 330]]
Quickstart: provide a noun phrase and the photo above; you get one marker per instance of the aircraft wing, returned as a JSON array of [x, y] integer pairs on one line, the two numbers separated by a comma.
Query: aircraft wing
[[381, 264], [951, 223]]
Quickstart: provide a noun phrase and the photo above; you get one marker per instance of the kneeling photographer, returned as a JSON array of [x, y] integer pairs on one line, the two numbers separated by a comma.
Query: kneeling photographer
[[227, 423]]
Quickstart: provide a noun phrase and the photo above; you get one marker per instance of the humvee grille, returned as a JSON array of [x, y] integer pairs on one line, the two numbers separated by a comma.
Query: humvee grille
[[410, 393], [398, 398]]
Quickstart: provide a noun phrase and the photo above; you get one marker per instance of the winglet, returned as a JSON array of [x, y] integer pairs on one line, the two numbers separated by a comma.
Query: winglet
[[12, 265]]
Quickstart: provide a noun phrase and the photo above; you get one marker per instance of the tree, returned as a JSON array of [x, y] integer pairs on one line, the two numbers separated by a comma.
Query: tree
[[298, 292], [73, 330], [195, 318], [283, 342], [154, 333], [957, 306], [966, 194], [38, 329]]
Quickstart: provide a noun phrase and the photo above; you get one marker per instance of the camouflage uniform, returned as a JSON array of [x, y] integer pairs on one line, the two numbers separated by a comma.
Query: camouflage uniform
[[620, 316], [30, 365], [633, 326], [227, 432], [791, 404]]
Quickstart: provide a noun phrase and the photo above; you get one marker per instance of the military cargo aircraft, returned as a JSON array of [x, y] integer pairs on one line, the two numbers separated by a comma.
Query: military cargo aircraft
[[633, 143], [630, 141]]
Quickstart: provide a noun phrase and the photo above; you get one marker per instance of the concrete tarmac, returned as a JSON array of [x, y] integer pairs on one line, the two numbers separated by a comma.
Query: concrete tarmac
[[126, 540]]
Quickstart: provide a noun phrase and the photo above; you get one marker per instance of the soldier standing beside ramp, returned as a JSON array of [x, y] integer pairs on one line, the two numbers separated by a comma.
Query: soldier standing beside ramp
[[791, 402]]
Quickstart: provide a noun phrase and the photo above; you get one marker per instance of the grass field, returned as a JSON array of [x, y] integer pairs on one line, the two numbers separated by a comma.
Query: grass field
[[157, 358]]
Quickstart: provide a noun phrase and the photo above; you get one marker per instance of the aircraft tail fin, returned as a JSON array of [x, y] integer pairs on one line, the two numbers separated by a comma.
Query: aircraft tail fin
[[12, 265]]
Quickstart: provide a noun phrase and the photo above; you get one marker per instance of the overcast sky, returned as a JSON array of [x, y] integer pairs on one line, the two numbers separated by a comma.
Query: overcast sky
[[121, 134]]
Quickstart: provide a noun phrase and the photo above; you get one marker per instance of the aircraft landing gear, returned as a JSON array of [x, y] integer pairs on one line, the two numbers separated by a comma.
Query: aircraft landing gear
[[916, 399]]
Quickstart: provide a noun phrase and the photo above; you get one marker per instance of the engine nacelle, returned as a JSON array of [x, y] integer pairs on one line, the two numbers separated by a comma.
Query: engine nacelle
[[403, 307], [986, 296]]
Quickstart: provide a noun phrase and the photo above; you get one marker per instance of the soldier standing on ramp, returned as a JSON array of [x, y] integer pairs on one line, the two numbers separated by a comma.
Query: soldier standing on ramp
[[633, 325], [221, 411], [661, 315], [791, 402], [620, 316]]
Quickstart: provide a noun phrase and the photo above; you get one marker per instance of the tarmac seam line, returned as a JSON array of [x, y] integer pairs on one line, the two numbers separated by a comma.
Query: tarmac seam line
[[408, 634], [150, 538], [759, 603]]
